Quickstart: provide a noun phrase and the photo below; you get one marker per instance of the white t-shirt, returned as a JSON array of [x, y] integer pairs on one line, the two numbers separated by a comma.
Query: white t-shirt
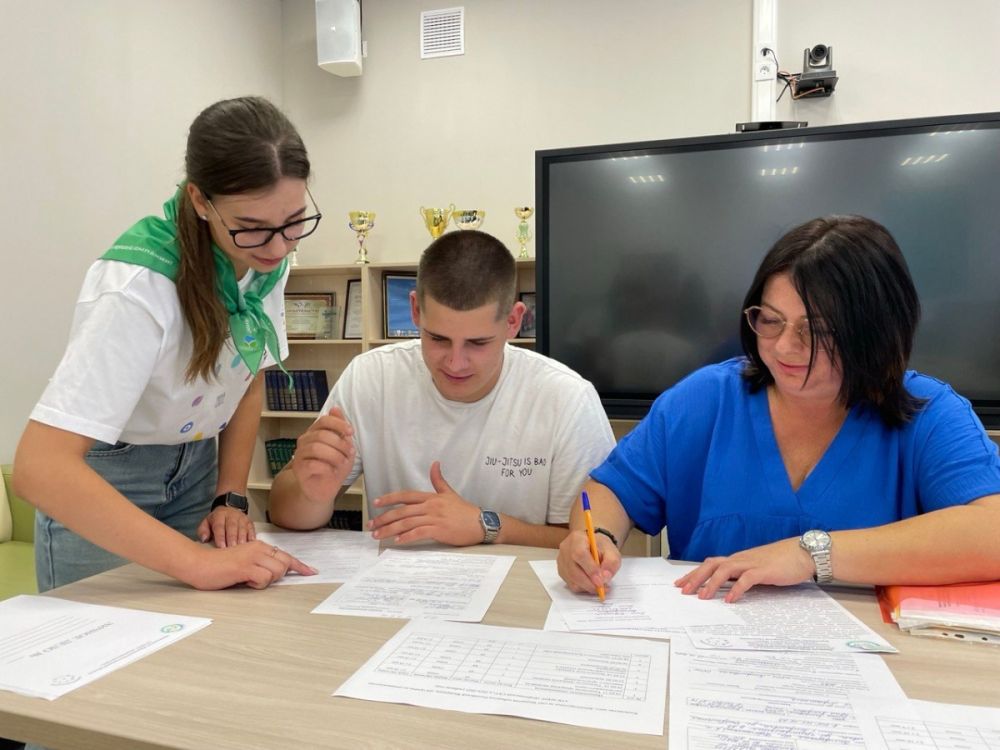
[[525, 449], [122, 376]]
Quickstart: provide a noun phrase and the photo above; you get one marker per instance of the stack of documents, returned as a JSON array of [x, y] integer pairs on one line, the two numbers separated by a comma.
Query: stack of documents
[[966, 612]]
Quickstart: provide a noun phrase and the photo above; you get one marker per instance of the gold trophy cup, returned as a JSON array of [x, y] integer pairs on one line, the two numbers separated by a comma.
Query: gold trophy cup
[[468, 219], [436, 219], [523, 231], [362, 222]]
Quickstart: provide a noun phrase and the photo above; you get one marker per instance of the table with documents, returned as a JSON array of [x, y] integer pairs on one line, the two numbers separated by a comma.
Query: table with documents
[[263, 675]]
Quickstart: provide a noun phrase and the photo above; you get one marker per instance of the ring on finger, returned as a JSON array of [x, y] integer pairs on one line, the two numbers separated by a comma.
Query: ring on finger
[[274, 551]]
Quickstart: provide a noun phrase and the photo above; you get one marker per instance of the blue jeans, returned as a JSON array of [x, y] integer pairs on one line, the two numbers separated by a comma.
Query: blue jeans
[[173, 483]]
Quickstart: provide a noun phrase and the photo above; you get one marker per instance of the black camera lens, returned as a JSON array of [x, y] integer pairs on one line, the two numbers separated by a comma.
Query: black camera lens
[[817, 54]]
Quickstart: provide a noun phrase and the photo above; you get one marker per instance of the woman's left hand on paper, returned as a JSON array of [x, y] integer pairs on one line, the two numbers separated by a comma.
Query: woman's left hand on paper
[[782, 563], [227, 527]]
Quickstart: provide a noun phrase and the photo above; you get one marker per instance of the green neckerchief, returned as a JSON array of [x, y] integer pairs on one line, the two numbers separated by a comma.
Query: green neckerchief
[[152, 243]]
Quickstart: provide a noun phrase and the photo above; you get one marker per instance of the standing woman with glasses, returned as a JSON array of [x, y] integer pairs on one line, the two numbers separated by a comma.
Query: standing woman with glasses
[[818, 455], [170, 334]]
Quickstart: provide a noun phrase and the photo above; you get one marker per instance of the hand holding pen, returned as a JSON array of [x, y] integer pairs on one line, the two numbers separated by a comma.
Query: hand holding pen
[[591, 539]]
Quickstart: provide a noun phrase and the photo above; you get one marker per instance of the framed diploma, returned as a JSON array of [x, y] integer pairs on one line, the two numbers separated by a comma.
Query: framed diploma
[[308, 316], [397, 321], [352, 310]]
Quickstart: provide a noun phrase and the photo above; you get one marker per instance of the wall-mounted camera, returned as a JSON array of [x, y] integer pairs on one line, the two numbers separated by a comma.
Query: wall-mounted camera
[[818, 77]]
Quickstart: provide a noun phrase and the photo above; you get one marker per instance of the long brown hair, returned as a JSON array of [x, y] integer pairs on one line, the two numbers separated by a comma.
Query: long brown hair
[[234, 146]]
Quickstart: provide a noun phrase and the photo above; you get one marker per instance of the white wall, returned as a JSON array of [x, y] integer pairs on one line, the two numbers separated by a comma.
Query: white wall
[[895, 58], [536, 74], [96, 98]]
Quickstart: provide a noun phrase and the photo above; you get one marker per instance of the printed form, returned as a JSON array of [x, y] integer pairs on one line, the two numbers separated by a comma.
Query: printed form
[[569, 678], [49, 646], [643, 601], [923, 725], [432, 585], [728, 700], [337, 555]]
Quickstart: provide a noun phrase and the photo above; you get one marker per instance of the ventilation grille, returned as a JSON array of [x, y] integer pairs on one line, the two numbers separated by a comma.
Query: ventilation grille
[[442, 32]]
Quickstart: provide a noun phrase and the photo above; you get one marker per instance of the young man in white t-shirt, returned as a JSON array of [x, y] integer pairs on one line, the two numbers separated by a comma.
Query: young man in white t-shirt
[[462, 438]]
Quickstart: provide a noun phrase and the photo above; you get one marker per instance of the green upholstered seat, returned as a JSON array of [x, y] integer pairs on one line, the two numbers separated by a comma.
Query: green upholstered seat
[[17, 556]]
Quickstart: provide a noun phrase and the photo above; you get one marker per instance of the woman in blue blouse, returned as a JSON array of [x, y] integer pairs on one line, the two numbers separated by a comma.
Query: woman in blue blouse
[[819, 455]]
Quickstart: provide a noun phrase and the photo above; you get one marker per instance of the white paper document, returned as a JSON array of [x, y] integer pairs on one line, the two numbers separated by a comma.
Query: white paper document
[[569, 678], [642, 600], [337, 555], [789, 618], [433, 585], [721, 700], [901, 724], [49, 646]]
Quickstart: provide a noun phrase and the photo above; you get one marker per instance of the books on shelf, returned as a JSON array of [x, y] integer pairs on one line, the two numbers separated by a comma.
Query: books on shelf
[[279, 452], [963, 611], [346, 520], [308, 390]]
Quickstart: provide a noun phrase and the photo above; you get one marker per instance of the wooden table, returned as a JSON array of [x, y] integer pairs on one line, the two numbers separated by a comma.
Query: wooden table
[[261, 676]]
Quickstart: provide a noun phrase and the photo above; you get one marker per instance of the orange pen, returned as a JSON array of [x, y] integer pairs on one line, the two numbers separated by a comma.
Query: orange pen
[[590, 536]]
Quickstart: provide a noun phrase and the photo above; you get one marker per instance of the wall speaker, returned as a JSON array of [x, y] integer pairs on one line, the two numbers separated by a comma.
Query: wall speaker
[[338, 36]]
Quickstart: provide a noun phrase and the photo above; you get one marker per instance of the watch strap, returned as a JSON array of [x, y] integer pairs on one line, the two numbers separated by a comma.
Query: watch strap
[[824, 566], [232, 500]]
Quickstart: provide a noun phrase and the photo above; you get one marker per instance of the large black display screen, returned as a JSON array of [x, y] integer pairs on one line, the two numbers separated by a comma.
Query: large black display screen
[[646, 249]]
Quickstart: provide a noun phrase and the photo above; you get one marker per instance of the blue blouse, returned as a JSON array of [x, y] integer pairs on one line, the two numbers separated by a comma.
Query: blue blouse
[[705, 463]]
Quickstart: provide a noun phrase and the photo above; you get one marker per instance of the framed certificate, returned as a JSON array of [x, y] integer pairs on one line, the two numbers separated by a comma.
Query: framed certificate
[[397, 321], [308, 316], [528, 321], [352, 310]]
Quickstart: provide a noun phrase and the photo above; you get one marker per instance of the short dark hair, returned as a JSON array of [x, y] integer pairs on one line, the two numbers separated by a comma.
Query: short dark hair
[[467, 269], [850, 273]]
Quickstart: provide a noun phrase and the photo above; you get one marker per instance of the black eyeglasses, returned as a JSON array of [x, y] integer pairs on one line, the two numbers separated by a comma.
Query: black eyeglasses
[[260, 236], [770, 325]]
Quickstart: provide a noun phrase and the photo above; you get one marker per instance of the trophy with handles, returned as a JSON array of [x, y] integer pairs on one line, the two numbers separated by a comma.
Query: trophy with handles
[[436, 219], [362, 222], [523, 230]]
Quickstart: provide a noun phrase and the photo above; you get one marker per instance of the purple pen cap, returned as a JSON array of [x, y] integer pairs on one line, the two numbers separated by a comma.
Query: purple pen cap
[[585, 500]]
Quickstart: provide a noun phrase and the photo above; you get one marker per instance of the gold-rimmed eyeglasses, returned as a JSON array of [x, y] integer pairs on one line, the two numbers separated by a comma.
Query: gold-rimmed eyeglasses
[[769, 325]]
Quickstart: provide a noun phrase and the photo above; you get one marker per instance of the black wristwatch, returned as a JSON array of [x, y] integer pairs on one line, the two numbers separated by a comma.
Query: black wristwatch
[[232, 500]]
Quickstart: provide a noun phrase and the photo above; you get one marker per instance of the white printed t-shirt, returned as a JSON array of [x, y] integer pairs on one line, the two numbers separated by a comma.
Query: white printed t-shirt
[[525, 449], [122, 376]]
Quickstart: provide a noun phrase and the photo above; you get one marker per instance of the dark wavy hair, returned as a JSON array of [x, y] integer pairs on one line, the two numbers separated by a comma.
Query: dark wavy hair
[[850, 274]]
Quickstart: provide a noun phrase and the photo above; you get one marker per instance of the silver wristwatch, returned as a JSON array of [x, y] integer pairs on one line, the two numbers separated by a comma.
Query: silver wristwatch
[[490, 522], [818, 543]]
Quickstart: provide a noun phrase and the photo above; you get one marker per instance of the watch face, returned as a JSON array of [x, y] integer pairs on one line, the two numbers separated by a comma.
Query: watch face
[[815, 540], [491, 520], [234, 500]]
